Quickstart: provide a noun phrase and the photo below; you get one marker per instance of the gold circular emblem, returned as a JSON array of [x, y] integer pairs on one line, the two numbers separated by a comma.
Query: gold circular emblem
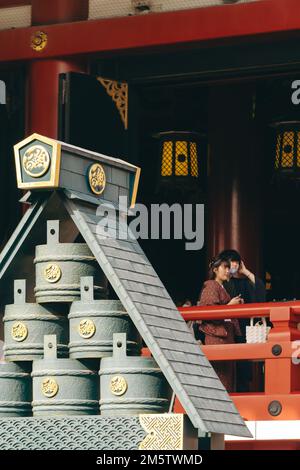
[[49, 387], [97, 178], [39, 41], [52, 272], [118, 385], [19, 331], [86, 328], [36, 161]]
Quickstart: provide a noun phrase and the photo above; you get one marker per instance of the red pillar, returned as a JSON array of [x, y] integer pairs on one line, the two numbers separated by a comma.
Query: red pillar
[[234, 210], [43, 75], [42, 94]]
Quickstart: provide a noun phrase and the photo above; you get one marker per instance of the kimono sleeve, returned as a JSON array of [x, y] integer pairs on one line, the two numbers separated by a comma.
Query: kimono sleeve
[[210, 295]]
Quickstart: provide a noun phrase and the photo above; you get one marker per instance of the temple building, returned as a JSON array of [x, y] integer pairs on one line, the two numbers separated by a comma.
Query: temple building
[[201, 99]]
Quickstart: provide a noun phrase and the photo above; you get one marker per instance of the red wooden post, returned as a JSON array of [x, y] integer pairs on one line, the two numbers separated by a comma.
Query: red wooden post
[[42, 94], [43, 75], [282, 375], [234, 207]]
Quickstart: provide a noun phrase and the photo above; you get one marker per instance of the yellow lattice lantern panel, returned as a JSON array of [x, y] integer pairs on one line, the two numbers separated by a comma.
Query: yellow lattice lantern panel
[[167, 159], [287, 149], [179, 158], [194, 160]]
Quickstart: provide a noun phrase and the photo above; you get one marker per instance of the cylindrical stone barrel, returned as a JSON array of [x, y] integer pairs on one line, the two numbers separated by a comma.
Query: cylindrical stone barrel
[[93, 323], [15, 390], [26, 324], [59, 267], [131, 385], [64, 386]]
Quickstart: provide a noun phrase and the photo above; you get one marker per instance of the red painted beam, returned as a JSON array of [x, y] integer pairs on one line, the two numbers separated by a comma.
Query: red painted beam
[[254, 406], [154, 30], [287, 310], [244, 351]]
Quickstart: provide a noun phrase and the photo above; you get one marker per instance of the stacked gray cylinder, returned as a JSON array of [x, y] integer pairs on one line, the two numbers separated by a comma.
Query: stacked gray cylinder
[[63, 386], [131, 385], [25, 325], [15, 390], [93, 323], [57, 348], [60, 266]]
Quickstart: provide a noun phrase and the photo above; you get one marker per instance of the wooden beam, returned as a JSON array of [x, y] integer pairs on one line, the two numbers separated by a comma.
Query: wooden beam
[[244, 352], [254, 406], [257, 19], [278, 311]]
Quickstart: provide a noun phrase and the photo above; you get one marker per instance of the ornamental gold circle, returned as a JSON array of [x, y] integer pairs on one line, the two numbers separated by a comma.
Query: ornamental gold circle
[[86, 328], [97, 178], [19, 331], [39, 41], [36, 161], [118, 385], [52, 273], [49, 387]]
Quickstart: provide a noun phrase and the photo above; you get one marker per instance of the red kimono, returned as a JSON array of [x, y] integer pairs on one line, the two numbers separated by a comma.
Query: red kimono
[[219, 331]]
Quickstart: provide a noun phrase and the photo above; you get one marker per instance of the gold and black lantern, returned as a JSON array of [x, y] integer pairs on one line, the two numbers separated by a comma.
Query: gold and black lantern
[[287, 149], [179, 163]]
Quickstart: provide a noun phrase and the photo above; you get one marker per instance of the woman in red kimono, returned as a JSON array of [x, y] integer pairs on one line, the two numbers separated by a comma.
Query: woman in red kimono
[[220, 331]]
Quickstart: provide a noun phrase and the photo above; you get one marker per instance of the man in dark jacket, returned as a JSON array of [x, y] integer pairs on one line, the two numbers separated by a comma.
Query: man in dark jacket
[[242, 281], [252, 289]]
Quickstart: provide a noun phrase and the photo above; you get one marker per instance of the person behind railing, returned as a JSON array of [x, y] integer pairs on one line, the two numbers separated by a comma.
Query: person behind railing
[[220, 331], [252, 289], [242, 280]]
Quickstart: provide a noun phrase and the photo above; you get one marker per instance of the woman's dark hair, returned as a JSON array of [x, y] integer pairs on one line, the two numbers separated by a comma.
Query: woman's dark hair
[[215, 263], [230, 255]]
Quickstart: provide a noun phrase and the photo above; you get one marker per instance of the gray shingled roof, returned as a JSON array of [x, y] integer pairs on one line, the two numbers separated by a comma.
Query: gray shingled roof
[[154, 314]]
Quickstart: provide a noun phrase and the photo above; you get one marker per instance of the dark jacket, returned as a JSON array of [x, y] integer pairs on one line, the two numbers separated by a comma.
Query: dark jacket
[[251, 293]]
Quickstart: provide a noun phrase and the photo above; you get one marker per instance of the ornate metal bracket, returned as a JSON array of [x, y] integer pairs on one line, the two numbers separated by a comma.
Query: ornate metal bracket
[[118, 91]]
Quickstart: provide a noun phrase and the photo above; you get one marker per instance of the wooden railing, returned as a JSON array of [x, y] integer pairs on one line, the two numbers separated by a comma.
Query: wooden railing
[[280, 354]]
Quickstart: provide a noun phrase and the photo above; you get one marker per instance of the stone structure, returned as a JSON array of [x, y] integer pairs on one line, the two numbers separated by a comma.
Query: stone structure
[[78, 192]]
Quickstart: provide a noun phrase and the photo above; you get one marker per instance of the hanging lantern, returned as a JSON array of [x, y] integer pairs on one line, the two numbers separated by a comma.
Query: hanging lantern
[[179, 159], [287, 149]]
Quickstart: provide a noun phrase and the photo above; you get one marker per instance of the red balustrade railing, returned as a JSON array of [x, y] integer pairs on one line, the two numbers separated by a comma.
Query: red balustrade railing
[[280, 354]]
